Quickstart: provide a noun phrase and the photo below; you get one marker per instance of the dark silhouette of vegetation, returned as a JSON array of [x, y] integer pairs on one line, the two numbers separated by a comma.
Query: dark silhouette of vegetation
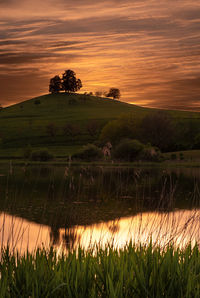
[[37, 102], [115, 130], [55, 85], [41, 155], [98, 93], [1, 107], [71, 129], [128, 150], [89, 152], [92, 127], [28, 151], [158, 129], [51, 129], [69, 81], [114, 93]]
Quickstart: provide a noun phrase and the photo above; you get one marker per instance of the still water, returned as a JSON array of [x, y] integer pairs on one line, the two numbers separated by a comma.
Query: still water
[[67, 207]]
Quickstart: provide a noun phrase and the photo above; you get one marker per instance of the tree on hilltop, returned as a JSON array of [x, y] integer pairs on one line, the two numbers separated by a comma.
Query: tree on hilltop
[[69, 81], [55, 85], [114, 93]]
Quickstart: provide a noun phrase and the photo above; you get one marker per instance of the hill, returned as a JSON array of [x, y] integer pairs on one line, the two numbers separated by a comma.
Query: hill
[[60, 121]]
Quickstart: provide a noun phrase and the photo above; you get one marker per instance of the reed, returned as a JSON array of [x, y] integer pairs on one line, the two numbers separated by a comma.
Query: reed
[[134, 271]]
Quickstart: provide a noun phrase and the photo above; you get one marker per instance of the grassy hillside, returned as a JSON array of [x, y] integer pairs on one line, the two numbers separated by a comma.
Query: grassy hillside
[[26, 123]]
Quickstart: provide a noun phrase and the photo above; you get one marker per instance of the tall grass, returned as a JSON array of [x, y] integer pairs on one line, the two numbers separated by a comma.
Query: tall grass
[[130, 272]]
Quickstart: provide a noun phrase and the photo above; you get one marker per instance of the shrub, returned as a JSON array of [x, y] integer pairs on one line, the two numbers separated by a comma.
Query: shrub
[[37, 102], [173, 156], [71, 129], [150, 153], [51, 129], [28, 152], [128, 149], [41, 155], [89, 152], [92, 127], [72, 101], [116, 130]]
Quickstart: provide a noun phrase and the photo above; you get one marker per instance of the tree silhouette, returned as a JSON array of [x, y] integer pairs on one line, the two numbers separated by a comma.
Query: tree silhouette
[[114, 93], [55, 85], [69, 81]]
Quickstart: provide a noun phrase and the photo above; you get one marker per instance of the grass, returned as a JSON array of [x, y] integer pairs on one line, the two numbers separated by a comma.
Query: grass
[[26, 123], [189, 155], [133, 271]]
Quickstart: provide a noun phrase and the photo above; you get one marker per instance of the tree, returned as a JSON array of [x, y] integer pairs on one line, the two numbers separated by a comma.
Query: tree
[[69, 81], [51, 130], [114, 93], [55, 85], [158, 129], [126, 126], [98, 93], [92, 127], [71, 130]]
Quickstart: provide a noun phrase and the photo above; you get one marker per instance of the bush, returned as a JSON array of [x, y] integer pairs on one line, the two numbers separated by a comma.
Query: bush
[[89, 152], [128, 150], [116, 130], [28, 152], [37, 102], [41, 155], [72, 101], [173, 156]]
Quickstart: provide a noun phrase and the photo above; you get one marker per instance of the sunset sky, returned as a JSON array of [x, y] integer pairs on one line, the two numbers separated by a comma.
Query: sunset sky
[[149, 49]]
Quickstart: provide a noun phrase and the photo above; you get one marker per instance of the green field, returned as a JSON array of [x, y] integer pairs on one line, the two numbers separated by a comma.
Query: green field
[[26, 123]]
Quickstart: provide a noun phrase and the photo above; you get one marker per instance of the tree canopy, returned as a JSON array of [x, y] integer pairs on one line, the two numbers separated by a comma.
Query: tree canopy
[[68, 83], [114, 93], [55, 85]]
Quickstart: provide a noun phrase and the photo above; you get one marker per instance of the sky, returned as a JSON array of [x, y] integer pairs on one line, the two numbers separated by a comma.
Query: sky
[[149, 49]]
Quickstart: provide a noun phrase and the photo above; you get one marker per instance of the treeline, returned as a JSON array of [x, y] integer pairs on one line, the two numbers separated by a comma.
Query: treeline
[[69, 83], [130, 139]]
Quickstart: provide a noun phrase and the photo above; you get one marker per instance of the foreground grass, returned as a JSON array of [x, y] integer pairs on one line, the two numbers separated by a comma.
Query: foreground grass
[[129, 272]]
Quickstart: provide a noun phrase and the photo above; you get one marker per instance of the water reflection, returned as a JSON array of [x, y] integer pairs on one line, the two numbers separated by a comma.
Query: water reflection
[[179, 227]]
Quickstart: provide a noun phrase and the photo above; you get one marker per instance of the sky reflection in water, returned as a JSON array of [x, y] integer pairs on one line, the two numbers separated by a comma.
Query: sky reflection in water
[[179, 227]]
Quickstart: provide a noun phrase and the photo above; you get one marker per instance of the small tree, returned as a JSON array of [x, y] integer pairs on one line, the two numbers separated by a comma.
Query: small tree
[[55, 85], [51, 130], [92, 127], [1, 107], [158, 129], [69, 81], [114, 93], [71, 130], [98, 93]]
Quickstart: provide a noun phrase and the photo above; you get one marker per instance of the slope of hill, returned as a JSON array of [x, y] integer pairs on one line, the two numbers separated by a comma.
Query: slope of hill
[[26, 123]]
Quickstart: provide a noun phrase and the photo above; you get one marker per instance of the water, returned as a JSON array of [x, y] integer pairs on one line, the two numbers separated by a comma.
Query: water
[[66, 207]]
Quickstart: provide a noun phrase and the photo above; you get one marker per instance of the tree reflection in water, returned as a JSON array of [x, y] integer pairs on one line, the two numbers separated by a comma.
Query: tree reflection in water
[[71, 238]]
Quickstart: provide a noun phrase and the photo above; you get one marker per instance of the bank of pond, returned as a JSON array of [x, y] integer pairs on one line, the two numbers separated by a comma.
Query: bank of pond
[[96, 231]]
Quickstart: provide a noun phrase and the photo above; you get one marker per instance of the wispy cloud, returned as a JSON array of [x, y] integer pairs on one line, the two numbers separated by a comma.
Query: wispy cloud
[[149, 49]]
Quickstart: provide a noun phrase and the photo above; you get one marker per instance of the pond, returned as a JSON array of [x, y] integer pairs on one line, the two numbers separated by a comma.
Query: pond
[[65, 207]]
